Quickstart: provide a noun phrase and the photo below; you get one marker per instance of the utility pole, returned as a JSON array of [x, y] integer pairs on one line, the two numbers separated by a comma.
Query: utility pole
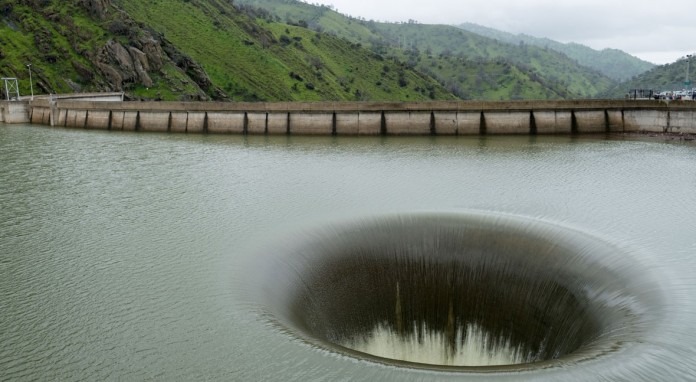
[[687, 83], [31, 83], [688, 61]]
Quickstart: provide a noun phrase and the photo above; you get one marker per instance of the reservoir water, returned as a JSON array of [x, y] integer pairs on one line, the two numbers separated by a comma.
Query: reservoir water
[[134, 256]]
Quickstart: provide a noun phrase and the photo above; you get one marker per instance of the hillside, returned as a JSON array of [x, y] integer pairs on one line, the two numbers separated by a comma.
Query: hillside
[[667, 77], [553, 71], [613, 63], [191, 49], [462, 61], [272, 50], [75, 46]]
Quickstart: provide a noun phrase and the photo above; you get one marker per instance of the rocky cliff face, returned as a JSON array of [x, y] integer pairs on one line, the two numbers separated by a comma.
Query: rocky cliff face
[[123, 65], [97, 8], [131, 56], [132, 64], [145, 54]]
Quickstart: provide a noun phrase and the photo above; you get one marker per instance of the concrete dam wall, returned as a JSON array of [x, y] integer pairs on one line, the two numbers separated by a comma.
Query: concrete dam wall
[[372, 118], [14, 112]]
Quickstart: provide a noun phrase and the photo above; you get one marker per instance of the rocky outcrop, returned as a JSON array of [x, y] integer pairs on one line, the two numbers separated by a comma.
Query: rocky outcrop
[[194, 71], [141, 66], [135, 57], [154, 53], [123, 65], [112, 76], [97, 8]]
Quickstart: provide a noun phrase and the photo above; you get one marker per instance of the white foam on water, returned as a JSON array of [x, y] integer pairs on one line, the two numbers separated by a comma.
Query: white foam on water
[[473, 347]]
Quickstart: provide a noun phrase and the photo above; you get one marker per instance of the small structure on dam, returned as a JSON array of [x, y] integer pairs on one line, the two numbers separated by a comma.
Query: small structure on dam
[[18, 110], [10, 88]]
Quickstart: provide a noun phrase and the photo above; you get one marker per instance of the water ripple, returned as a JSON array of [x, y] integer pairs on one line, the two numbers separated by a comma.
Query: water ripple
[[120, 252]]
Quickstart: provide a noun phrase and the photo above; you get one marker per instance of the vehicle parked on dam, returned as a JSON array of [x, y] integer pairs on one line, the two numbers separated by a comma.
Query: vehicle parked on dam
[[676, 95]]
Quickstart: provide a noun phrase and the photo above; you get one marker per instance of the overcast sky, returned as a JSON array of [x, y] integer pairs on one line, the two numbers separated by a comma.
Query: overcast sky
[[654, 30]]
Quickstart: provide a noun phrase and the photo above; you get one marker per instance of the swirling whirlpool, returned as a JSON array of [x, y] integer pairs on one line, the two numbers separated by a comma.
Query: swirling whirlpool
[[463, 293]]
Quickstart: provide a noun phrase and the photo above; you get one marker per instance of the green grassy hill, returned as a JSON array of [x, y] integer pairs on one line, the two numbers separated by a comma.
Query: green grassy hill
[[259, 59], [269, 50], [192, 49], [67, 44], [462, 61]]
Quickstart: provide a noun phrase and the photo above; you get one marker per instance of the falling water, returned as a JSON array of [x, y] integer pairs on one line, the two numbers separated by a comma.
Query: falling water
[[460, 290], [453, 345], [472, 346]]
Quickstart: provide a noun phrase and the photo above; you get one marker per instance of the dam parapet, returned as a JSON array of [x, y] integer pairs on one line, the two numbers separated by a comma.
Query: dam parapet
[[369, 118]]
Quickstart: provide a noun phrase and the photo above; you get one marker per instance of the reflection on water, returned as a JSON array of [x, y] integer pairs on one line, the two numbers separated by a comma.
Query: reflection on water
[[121, 254]]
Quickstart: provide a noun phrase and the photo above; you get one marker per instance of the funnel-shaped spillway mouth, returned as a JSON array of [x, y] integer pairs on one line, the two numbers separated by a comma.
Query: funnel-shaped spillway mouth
[[448, 291]]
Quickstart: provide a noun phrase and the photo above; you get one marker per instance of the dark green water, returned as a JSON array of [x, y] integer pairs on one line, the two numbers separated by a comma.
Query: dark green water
[[124, 256]]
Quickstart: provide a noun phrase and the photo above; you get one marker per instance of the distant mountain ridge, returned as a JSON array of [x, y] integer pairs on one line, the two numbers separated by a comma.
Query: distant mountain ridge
[[613, 63]]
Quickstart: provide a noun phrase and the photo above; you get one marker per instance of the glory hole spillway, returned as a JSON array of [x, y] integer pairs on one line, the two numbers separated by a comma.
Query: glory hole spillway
[[468, 292]]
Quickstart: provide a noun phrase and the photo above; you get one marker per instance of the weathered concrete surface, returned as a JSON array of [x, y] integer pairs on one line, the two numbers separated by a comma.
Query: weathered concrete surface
[[256, 123], [126, 121], [98, 119], [366, 118], [469, 123], [226, 123], [14, 112], [311, 123], [196, 122], [553, 122], [616, 122], [76, 118], [348, 123], [682, 122], [446, 123], [645, 120], [407, 123], [41, 116], [278, 123], [156, 121], [502, 122], [369, 123], [61, 118], [178, 121], [591, 121]]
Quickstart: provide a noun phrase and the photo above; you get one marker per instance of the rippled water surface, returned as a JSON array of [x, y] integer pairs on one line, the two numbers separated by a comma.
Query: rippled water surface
[[126, 255]]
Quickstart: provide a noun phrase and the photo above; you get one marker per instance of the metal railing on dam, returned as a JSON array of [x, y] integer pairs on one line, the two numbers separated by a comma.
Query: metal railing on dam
[[372, 118]]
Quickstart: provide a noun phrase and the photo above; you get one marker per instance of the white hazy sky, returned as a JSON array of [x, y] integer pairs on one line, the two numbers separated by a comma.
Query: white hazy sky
[[654, 30]]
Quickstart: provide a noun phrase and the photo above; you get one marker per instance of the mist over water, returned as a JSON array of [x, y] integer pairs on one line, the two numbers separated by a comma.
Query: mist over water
[[146, 257]]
